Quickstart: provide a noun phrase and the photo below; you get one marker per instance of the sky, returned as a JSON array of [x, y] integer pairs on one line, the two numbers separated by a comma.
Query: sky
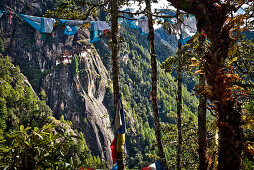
[[163, 4]]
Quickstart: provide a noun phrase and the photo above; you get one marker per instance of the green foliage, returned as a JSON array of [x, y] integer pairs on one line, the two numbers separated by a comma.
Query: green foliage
[[1, 45], [192, 54], [19, 105], [69, 9], [3, 113], [45, 148], [189, 146], [53, 146], [43, 95], [241, 56], [33, 73], [248, 164], [75, 65]]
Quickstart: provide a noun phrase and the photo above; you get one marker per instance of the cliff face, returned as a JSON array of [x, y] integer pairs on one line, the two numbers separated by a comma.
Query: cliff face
[[81, 97]]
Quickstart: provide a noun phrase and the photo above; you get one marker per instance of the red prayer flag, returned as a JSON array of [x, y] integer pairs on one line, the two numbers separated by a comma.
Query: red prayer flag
[[113, 150]]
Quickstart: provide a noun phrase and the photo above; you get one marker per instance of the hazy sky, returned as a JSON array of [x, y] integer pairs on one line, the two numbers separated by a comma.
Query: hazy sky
[[163, 4]]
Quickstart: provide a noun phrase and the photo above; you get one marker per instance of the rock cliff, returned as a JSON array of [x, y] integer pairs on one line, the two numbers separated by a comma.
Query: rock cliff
[[80, 97]]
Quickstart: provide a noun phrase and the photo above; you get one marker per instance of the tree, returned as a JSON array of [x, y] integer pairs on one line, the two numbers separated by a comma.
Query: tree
[[214, 17], [52, 146], [115, 68], [179, 97], [202, 139], [154, 83]]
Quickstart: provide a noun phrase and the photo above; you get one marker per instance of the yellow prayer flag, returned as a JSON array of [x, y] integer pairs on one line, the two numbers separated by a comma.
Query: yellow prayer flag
[[120, 142]]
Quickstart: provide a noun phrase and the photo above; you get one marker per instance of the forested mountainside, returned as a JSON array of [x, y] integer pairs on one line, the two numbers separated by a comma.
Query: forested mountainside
[[56, 93], [28, 131], [80, 93], [135, 79]]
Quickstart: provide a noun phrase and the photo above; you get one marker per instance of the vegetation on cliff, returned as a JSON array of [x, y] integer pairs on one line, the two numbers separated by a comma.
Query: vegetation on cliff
[[30, 137]]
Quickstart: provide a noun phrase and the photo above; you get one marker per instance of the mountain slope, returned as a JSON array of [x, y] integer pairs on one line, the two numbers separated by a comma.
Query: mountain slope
[[135, 80]]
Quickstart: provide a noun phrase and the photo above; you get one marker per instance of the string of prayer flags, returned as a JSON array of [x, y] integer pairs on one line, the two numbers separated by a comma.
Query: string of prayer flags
[[183, 30], [173, 27], [95, 35], [71, 26], [142, 25], [41, 24], [119, 29]]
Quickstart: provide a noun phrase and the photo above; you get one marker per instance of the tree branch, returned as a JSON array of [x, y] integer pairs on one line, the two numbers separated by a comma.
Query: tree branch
[[132, 13], [243, 85], [82, 3]]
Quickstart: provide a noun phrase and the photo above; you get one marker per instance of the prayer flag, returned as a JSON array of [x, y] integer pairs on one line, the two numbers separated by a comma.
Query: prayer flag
[[41, 24], [143, 24], [71, 26], [119, 118], [113, 150]]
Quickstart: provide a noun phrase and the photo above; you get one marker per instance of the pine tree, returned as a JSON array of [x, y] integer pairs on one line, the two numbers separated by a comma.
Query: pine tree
[[154, 83]]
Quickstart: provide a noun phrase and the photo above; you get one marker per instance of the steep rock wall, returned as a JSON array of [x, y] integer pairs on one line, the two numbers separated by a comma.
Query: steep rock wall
[[80, 99]]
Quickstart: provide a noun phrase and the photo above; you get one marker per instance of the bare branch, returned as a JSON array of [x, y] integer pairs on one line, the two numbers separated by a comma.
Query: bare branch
[[132, 13]]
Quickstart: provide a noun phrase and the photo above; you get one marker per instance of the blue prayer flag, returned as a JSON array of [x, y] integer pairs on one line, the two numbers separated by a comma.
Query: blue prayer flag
[[71, 26], [41, 24]]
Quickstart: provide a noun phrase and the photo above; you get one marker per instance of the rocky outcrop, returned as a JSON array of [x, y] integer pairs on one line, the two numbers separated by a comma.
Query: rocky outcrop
[[80, 98]]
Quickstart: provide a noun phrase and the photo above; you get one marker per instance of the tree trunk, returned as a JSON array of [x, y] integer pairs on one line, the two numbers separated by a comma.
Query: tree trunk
[[115, 66], [230, 137], [115, 49], [220, 93], [154, 84], [179, 107], [202, 141], [213, 19]]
